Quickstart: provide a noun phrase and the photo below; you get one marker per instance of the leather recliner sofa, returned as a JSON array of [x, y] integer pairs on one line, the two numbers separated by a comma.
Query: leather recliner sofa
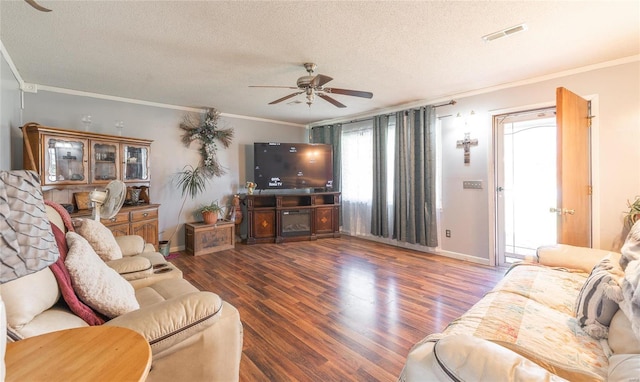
[[194, 335]]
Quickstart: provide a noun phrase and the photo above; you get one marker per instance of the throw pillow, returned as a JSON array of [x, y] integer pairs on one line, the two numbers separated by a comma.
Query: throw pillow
[[598, 299], [64, 282], [26, 241], [95, 283], [100, 237]]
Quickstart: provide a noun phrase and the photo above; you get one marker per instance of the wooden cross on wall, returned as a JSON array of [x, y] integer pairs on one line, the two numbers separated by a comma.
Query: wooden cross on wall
[[467, 142]]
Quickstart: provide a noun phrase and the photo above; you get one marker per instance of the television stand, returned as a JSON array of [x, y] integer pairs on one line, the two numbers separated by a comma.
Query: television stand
[[278, 218]]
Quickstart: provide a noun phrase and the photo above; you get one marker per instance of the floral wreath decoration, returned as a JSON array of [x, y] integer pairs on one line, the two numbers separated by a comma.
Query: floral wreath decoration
[[206, 130]]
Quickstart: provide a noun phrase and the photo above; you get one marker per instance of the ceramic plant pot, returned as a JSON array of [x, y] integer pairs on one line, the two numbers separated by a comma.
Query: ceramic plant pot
[[209, 217]]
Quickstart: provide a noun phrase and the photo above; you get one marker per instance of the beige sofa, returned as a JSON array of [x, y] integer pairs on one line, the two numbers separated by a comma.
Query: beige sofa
[[140, 264], [526, 329], [194, 335]]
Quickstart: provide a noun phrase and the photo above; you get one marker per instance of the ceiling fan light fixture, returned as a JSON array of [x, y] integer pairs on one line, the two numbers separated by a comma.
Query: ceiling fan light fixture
[[505, 32], [312, 85]]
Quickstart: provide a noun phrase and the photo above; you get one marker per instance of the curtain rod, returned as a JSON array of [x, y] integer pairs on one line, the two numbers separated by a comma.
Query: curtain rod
[[452, 102]]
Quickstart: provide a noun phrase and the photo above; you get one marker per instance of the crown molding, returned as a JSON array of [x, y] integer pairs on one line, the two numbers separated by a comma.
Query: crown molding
[[566, 73]]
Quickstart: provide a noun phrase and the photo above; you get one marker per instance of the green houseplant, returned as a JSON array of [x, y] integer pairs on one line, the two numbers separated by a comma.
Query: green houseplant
[[191, 181], [634, 212], [210, 212]]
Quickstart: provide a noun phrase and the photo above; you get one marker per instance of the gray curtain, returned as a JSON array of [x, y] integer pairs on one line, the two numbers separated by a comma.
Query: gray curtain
[[379, 212], [414, 178]]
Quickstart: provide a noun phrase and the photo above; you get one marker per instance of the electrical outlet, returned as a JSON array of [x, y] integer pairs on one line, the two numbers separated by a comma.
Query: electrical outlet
[[447, 233], [474, 184]]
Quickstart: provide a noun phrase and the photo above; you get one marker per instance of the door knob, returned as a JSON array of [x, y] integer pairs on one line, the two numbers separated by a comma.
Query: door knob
[[569, 212]]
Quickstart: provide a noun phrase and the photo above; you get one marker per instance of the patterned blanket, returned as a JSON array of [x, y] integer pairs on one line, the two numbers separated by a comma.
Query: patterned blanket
[[531, 312]]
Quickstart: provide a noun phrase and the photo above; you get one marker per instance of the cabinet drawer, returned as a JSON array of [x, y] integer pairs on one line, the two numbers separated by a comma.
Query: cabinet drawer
[[121, 217], [120, 229], [151, 213]]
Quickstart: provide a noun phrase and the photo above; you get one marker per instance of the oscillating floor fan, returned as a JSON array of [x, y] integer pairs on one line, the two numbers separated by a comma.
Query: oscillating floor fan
[[107, 203]]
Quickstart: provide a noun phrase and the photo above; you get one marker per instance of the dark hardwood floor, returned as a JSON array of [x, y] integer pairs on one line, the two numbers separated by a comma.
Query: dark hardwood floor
[[342, 309]]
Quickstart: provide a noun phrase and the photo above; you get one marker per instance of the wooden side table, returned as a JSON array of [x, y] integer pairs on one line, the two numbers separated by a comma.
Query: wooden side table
[[96, 353], [202, 239]]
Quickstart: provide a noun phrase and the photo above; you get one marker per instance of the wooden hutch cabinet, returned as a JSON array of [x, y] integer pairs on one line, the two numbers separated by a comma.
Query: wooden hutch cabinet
[[71, 157], [81, 161], [291, 217]]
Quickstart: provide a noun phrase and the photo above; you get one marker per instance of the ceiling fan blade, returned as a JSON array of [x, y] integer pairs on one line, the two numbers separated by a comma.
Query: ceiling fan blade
[[331, 100], [285, 98], [320, 80], [355, 93], [37, 6], [270, 86]]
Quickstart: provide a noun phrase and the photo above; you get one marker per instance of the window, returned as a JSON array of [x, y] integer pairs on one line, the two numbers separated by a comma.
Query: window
[[357, 175]]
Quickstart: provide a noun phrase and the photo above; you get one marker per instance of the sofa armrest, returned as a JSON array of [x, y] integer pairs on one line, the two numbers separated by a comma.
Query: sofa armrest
[[172, 321], [148, 247], [130, 244], [132, 267], [467, 358], [572, 257]]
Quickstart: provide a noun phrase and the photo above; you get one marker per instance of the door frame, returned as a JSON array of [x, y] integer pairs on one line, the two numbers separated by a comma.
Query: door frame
[[492, 174]]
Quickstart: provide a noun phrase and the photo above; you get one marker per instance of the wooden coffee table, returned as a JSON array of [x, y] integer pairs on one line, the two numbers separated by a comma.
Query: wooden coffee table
[[97, 353]]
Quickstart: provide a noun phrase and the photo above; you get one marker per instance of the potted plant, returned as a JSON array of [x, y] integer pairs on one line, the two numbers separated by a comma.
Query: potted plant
[[191, 181], [634, 212], [210, 212]]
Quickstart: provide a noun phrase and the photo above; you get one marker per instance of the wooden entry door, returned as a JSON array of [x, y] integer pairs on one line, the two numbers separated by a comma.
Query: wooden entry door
[[574, 170]]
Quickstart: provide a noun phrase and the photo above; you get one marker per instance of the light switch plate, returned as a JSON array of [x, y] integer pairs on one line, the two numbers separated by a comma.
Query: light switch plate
[[473, 184]]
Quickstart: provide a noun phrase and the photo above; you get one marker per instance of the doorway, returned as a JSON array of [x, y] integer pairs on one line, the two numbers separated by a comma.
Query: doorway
[[527, 182]]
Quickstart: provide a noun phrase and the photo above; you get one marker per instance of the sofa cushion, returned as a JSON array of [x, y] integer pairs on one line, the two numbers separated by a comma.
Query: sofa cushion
[[624, 367], [598, 299], [622, 339], [64, 282], [28, 297], [100, 237], [96, 284], [26, 241]]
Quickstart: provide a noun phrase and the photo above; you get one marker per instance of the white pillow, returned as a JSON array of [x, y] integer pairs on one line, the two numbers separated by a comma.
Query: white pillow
[[99, 286], [100, 238]]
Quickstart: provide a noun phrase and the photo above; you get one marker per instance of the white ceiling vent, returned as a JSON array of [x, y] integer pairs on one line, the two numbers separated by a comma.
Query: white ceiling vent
[[505, 32]]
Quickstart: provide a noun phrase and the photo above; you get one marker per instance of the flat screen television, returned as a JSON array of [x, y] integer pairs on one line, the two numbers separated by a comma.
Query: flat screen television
[[293, 166]]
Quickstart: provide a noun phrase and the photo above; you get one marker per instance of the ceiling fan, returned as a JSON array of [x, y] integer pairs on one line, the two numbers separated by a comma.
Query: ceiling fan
[[314, 85], [37, 6]]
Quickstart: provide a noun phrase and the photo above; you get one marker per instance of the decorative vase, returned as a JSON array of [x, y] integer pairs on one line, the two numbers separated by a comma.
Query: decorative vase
[[210, 217], [236, 210], [144, 195]]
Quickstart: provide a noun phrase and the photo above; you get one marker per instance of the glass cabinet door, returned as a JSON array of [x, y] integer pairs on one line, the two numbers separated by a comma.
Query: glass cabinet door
[[105, 161], [136, 163], [65, 161]]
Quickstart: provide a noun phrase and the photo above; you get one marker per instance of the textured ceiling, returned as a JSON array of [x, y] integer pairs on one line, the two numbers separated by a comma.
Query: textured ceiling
[[207, 53]]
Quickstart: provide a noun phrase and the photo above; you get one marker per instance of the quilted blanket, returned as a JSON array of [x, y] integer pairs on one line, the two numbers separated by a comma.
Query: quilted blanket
[[531, 312]]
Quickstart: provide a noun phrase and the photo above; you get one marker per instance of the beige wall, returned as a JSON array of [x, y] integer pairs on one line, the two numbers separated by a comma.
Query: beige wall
[[168, 155], [616, 94], [10, 113]]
